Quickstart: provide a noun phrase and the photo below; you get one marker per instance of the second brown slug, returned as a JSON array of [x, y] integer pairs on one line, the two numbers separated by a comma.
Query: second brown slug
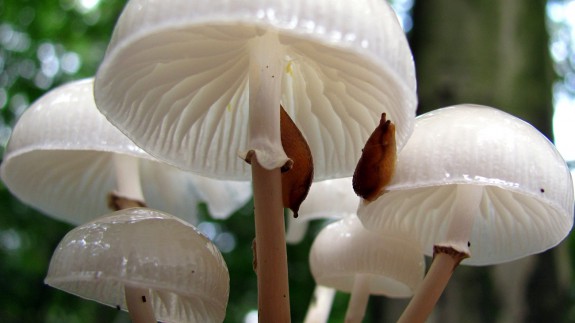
[[377, 162]]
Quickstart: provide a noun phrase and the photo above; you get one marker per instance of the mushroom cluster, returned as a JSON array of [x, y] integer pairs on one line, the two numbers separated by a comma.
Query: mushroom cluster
[[67, 160], [199, 100], [199, 83]]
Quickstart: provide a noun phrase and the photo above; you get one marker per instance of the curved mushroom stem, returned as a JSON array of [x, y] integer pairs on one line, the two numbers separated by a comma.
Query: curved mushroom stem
[[358, 300], [446, 256], [428, 293], [266, 159], [139, 304], [320, 305]]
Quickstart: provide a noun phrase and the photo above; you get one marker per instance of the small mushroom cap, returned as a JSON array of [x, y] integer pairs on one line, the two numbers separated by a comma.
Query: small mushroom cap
[[527, 201], [345, 249], [60, 159], [329, 199], [175, 78], [332, 198], [186, 274]]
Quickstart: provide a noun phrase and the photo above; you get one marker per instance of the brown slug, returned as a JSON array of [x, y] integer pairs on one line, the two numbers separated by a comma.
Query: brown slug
[[297, 175], [377, 162]]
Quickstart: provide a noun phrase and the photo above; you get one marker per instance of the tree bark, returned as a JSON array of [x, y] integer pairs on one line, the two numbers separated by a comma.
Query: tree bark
[[486, 52], [492, 53]]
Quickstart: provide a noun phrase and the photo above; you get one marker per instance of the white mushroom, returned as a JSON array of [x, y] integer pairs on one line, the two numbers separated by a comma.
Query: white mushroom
[[141, 259], [196, 82], [474, 182], [347, 257], [65, 158], [329, 199]]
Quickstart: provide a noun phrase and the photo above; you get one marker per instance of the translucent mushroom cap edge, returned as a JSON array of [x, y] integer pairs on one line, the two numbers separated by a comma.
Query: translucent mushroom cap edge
[[186, 65], [185, 272], [527, 201]]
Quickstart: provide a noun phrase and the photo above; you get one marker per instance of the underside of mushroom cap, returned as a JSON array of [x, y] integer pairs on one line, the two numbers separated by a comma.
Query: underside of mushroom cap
[[186, 191], [333, 198], [175, 78], [186, 274], [507, 226], [59, 156], [527, 201], [60, 160]]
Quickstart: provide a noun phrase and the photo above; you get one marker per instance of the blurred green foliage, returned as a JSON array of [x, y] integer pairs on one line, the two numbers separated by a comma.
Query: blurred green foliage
[[42, 45]]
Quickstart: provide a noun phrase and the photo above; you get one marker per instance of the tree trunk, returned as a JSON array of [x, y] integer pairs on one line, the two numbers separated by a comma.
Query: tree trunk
[[492, 53], [486, 52]]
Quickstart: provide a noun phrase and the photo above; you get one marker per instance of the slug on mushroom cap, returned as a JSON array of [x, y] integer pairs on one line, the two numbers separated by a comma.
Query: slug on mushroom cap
[[527, 196], [186, 64], [474, 185], [196, 83]]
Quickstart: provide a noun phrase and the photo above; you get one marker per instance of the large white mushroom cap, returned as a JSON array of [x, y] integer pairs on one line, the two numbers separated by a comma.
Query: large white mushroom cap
[[175, 78], [526, 205], [143, 248], [60, 159]]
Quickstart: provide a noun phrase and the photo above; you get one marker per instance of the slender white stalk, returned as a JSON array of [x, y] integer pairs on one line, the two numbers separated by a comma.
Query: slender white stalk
[[271, 252], [358, 300], [128, 177], [265, 140], [431, 288], [139, 304], [447, 254], [266, 69], [128, 186], [320, 305], [463, 214]]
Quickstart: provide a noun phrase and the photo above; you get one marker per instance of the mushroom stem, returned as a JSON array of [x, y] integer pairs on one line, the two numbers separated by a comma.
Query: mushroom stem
[[139, 304], [428, 293], [267, 156], [271, 251], [265, 91], [129, 194], [320, 305], [446, 255], [128, 177], [358, 300], [468, 197]]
